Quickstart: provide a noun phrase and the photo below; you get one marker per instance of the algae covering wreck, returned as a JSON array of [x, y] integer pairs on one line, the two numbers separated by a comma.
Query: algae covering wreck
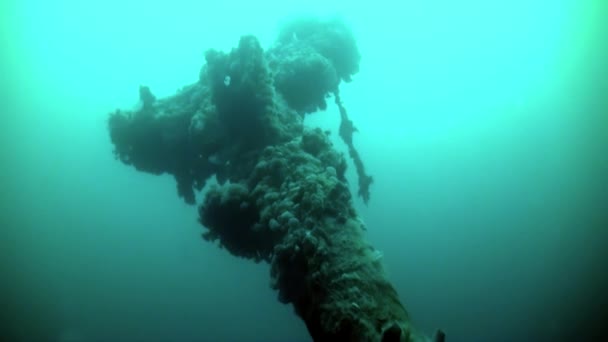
[[281, 194]]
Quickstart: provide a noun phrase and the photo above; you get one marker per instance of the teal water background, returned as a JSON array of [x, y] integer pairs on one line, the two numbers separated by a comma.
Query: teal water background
[[483, 124]]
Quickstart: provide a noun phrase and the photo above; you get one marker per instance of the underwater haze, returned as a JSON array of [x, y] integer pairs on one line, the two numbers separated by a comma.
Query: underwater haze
[[483, 123]]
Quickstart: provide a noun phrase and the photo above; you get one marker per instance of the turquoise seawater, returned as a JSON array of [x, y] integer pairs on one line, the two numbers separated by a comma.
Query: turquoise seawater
[[483, 123]]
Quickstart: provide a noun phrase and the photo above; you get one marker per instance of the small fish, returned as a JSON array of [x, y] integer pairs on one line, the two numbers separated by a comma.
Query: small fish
[[215, 160]]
